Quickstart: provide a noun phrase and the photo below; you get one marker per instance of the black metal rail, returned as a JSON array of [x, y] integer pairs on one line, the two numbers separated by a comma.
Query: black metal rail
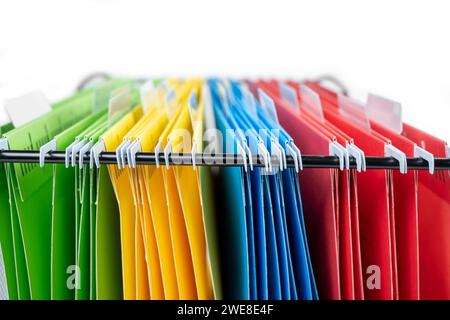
[[147, 158]]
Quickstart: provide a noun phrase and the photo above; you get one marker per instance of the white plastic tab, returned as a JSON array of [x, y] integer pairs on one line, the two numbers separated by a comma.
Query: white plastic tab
[[391, 151], [268, 105], [344, 153], [171, 103], [337, 150], [243, 148], [158, 150], [209, 117], [265, 155], [290, 95], [363, 156], [293, 154], [249, 155], [223, 94], [385, 112], [359, 155], [91, 157], [274, 138], [96, 150], [355, 152], [83, 151], [193, 107], [75, 149], [278, 152], [167, 151], [123, 153], [68, 153], [127, 151], [354, 111], [447, 150], [243, 154], [119, 148], [250, 102], [283, 154], [426, 155], [294, 151], [346, 158], [284, 157], [311, 102], [136, 147], [46, 148], [119, 102], [299, 155], [4, 144], [145, 89], [26, 108]]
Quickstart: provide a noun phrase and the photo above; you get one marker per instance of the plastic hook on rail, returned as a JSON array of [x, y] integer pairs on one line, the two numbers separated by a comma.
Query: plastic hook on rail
[[426, 155], [96, 150], [337, 150], [127, 151], [133, 151], [299, 154], [118, 154], [391, 151], [249, 155], [265, 156], [167, 152], [68, 152], [75, 149], [86, 148], [277, 151], [158, 150], [46, 148], [123, 153], [243, 154], [359, 156]]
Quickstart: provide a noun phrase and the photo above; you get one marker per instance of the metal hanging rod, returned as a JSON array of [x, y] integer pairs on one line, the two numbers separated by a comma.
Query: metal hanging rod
[[224, 160]]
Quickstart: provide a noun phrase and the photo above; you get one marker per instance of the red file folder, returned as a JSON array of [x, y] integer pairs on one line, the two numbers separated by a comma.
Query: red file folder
[[375, 208], [406, 219], [431, 205], [434, 220]]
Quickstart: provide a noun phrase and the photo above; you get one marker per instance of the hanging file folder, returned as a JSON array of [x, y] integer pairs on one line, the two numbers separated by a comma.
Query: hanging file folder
[[183, 189]]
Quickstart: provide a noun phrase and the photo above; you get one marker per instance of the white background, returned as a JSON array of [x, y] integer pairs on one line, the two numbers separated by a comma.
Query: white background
[[400, 49]]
